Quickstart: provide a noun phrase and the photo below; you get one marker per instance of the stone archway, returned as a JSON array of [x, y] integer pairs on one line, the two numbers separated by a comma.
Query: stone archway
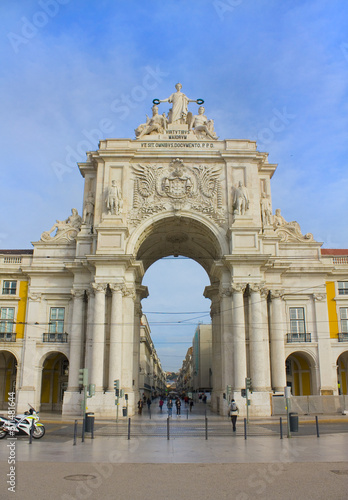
[[188, 237], [8, 375], [342, 373], [54, 381], [300, 374]]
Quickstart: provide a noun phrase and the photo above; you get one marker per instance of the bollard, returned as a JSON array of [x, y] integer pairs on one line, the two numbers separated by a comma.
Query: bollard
[[129, 426], [317, 425], [83, 430], [31, 433], [245, 428], [206, 428], [75, 433], [92, 430], [168, 428], [281, 428]]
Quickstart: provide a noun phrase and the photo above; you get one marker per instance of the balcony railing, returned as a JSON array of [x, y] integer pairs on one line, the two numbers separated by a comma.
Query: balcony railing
[[55, 337], [343, 337], [298, 337], [8, 337]]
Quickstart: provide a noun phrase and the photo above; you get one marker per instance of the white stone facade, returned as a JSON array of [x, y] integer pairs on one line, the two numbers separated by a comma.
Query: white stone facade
[[176, 190]]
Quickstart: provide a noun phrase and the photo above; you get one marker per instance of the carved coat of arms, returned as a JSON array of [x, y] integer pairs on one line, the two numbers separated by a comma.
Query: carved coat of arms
[[176, 186]]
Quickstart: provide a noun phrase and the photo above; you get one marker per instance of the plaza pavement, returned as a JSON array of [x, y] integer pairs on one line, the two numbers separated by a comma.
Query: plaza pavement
[[187, 467]]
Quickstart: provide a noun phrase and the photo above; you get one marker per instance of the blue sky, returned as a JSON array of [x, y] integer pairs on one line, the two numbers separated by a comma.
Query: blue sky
[[76, 71]]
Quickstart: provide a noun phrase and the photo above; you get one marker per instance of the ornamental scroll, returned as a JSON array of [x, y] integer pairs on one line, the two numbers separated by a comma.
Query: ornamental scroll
[[175, 187]]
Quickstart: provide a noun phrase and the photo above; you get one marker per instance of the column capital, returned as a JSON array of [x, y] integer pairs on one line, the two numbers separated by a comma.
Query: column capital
[[129, 291], [116, 287], [256, 287], [319, 296], [33, 296], [99, 287], [238, 287], [78, 293], [277, 294], [225, 291]]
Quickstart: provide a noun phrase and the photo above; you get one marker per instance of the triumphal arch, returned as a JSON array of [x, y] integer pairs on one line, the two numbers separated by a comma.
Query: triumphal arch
[[179, 189]]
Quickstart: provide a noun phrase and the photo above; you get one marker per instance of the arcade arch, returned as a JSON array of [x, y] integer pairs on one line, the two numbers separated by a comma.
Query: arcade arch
[[54, 381], [300, 374], [8, 375], [342, 373]]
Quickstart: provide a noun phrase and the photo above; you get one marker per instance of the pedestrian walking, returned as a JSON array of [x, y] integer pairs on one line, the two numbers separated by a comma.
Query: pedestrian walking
[[170, 407], [234, 411], [178, 406], [140, 406], [204, 398], [148, 402], [161, 404], [191, 405]]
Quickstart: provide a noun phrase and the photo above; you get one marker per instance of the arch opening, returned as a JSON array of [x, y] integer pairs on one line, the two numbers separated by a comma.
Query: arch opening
[[8, 375], [54, 381], [342, 373], [300, 374]]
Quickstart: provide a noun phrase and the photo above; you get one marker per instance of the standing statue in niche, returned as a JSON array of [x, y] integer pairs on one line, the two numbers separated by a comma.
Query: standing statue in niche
[[266, 210], [240, 199], [178, 112], [88, 211], [114, 202], [202, 125], [155, 125]]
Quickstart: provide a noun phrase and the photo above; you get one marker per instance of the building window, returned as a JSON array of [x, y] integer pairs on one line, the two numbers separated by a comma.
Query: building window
[[297, 320], [6, 322], [9, 287], [343, 288], [57, 320], [344, 319]]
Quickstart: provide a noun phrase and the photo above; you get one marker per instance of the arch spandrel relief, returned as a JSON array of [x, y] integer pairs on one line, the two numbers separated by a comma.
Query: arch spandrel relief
[[177, 186]]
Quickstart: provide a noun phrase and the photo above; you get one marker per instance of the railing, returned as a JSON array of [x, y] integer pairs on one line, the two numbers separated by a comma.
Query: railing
[[343, 337], [298, 337], [12, 260], [8, 337], [340, 260], [55, 337]]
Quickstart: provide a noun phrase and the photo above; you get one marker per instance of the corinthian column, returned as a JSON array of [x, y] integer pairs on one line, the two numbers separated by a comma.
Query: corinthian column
[[128, 339], [226, 337], [76, 340], [239, 347], [116, 330], [98, 346], [256, 341], [277, 342]]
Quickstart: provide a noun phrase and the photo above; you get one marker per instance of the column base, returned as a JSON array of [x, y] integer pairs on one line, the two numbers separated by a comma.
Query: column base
[[101, 404], [24, 397]]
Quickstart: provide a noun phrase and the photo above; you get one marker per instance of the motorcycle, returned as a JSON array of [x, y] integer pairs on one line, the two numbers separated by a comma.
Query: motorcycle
[[23, 424]]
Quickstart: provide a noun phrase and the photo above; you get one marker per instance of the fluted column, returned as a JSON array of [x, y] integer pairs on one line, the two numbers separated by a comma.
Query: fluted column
[[239, 345], [89, 332], [265, 337], [256, 341], [76, 340], [212, 293], [226, 336], [116, 330], [128, 338], [98, 346], [327, 364], [277, 333]]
